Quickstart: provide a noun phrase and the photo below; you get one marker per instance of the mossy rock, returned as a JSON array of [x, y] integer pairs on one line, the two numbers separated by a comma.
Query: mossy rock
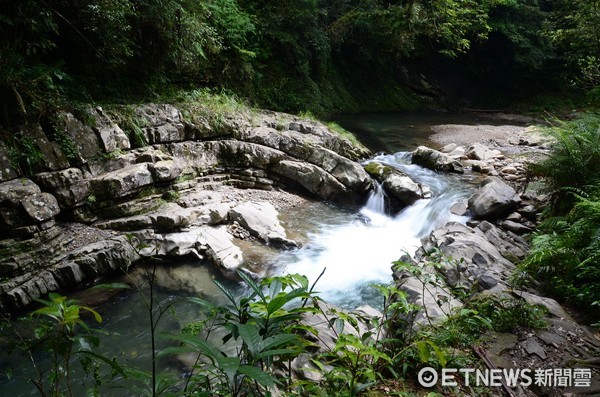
[[378, 171]]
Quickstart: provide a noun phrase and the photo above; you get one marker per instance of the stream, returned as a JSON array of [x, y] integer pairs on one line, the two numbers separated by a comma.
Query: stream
[[356, 248]]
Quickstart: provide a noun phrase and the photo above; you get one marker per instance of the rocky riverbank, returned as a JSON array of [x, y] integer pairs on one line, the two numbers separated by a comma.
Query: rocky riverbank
[[478, 259], [184, 185]]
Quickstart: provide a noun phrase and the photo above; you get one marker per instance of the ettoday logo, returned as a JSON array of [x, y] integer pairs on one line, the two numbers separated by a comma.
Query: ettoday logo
[[512, 377]]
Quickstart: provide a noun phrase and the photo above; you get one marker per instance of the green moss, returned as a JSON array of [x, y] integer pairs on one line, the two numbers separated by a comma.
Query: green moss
[[378, 171]]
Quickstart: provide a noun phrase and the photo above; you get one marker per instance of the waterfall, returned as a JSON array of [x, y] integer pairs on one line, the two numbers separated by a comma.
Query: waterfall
[[360, 250], [376, 201]]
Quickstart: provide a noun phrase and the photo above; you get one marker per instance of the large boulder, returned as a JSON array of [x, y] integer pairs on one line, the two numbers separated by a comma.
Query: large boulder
[[480, 152], [261, 220], [405, 189], [435, 160], [122, 182], [476, 261], [493, 200], [163, 123], [82, 138], [69, 186], [397, 184]]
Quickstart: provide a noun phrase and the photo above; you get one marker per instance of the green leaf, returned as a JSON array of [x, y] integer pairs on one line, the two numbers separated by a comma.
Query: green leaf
[[277, 340], [251, 337], [230, 367], [424, 353], [258, 375]]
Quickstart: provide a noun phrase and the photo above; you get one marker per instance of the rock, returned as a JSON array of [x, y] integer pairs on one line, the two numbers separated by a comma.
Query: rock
[[533, 347], [307, 148], [121, 182], [508, 244], [459, 208], [219, 213], [436, 302], [487, 281], [472, 253], [493, 199], [163, 123], [502, 343], [52, 156], [313, 179], [164, 170], [437, 161], [7, 169], [378, 170], [550, 338], [12, 194], [69, 186], [457, 153], [508, 170], [481, 152], [41, 206], [514, 217], [82, 137], [304, 368], [449, 148], [261, 220], [400, 186], [221, 250], [516, 227], [112, 137], [553, 306]]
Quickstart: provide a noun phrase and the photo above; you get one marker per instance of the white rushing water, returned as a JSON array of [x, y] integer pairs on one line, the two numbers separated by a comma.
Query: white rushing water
[[361, 251]]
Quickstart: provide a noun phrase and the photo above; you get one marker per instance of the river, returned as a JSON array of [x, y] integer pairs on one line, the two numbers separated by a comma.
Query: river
[[356, 248]]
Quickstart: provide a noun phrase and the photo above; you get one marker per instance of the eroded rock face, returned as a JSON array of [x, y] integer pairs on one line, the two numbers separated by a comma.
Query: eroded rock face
[[435, 160], [493, 199], [99, 178]]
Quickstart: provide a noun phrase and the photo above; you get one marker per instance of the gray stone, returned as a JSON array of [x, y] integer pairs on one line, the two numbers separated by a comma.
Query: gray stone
[[261, 220], [533, 347], [111, 135], [459, 208], [82, 138], [41, 206], [405, 189], [508, 244], [516, 227], [165, 170], [487, 281], [481, 152], [163, 123], [493, 199], [438, 161], [551, 338], [52, 156], [550, 304], [502, 342], [121, 182], [69, 186]]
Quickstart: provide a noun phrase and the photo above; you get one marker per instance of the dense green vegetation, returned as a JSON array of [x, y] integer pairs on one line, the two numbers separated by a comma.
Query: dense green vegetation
[[262, 331], [294, 55], [565, 255]]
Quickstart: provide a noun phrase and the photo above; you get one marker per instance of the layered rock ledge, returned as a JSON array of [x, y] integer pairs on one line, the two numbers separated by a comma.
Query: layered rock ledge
[[159, 182]]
